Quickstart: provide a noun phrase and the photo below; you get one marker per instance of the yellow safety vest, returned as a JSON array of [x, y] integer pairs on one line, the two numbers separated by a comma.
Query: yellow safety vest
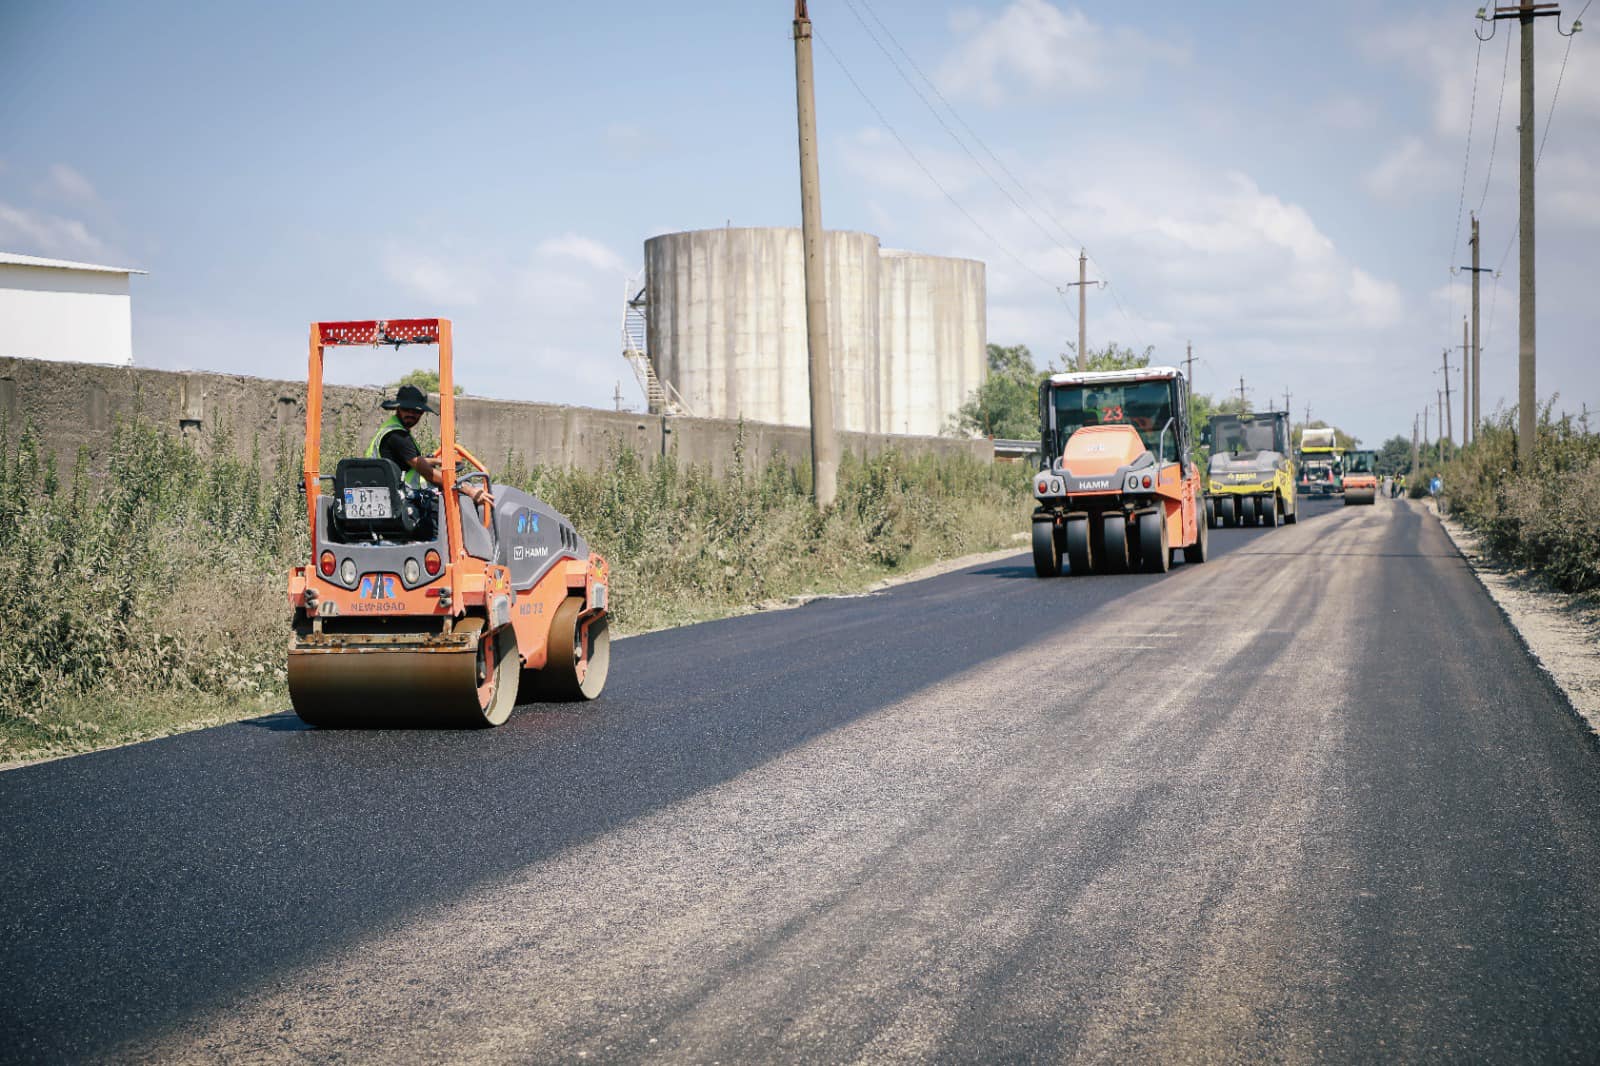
[[411, 477]]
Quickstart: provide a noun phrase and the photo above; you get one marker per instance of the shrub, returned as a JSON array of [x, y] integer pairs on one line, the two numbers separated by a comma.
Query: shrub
[[165, 573], [1545, 517]]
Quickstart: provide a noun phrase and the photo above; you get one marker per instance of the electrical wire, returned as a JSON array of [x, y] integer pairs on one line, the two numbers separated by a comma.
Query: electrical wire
[[979, 141], [1543, 138], [1472, 111], [1499, 118], [979, 226], [940, 119]]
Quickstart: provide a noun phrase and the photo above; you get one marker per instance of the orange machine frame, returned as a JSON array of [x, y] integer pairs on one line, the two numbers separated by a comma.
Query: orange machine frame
[[473, 582], [372, 333]]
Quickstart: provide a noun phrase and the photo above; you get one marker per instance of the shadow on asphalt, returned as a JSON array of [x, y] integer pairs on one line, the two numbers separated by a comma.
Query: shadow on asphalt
[[147, 885], [282, 722], [1007, 572]]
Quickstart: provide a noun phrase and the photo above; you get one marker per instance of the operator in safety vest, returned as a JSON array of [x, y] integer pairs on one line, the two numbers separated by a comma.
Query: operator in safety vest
[[394, 442]]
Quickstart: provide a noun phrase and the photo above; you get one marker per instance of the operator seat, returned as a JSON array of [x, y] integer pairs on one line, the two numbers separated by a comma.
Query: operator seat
[[381, 478]]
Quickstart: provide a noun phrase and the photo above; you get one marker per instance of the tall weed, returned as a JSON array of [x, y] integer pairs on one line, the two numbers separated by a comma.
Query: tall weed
[[163, 575], [1545, 517]]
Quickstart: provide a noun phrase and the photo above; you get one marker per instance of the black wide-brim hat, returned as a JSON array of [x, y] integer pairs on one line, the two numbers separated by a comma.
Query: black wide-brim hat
[[409, 398]]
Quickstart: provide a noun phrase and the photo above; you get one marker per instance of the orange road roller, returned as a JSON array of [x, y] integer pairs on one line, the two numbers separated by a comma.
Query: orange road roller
[[1117, 489], [420, 608], [1360, 477]]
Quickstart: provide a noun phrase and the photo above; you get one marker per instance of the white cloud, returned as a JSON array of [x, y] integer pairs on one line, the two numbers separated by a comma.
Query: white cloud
[[875, 156], [37, 233], [1037, 47], [1191, 251], [66, 183], [1347, 113], [431, 277], [1412, 169], [585, 250], [630, 142]]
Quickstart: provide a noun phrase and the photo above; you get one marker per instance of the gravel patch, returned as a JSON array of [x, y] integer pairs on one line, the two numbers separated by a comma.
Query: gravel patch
[[1561, 631]]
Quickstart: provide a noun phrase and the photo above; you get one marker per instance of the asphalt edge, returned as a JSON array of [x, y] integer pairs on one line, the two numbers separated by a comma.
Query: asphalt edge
[[1463, 541]]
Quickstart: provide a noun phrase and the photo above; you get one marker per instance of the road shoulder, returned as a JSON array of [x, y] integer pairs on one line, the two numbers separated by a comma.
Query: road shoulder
[[1560, 631]]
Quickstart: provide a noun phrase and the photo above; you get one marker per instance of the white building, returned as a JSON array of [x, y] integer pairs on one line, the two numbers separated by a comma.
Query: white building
[[68, 312]]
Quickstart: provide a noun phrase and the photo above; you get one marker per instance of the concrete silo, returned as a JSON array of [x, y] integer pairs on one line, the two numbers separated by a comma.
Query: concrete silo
[[727, 329], [932, 335]]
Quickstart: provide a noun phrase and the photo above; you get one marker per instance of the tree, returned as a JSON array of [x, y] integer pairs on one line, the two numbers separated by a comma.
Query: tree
[[1111, 357], [1395, 456], [426, 380], [1006, 405]]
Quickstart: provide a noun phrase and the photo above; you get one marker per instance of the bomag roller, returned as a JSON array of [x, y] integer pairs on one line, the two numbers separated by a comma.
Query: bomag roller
[[1320, 461], [1360, 477], [420, 608], [1117, 487], [1250, 476]]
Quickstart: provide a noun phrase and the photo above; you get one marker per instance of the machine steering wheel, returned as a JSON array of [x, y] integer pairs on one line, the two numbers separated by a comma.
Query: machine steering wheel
[[477, 473]]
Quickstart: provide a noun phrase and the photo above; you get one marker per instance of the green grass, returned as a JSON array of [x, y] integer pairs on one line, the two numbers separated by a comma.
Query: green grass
[[149, 598]]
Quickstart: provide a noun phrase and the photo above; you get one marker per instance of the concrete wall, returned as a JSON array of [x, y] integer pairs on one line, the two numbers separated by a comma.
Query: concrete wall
[[55, 313], [727, 328], [73, 405]]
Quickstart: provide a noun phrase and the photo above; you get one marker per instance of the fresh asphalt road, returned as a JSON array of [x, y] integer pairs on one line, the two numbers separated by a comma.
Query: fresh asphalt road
[[1310, 800]]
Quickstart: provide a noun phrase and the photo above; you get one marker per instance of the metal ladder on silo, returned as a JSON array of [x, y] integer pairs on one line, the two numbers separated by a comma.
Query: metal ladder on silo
[[660, 397]]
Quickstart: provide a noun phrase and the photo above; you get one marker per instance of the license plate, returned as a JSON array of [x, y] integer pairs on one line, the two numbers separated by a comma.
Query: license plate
[[367, 503]]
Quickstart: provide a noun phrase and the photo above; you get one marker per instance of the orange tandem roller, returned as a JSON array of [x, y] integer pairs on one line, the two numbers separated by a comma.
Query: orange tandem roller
[[422, 609]]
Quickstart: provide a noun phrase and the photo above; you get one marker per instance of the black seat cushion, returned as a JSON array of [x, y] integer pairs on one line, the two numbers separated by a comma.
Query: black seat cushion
[[383, 476]]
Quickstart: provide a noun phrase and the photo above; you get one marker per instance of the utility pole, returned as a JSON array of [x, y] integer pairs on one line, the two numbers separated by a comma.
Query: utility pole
[[1525, 12], [824, 444], [1413, 470], [1287, 395], [1438, 427], [1244, 404], [1466, 384], [1427, 412], [1446, 413], [1475, 389], [1083, 284], [1188, 365]]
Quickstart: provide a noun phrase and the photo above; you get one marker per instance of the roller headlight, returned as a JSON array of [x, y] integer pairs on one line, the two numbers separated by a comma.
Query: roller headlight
[[347, 571], [413, 572]]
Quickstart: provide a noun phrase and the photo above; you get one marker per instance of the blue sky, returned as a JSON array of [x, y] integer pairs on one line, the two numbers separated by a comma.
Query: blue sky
[[1277, 182]]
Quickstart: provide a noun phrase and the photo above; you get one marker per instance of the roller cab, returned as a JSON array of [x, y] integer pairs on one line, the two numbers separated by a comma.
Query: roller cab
[[419, 608], [1117, 489], [1250, 476]]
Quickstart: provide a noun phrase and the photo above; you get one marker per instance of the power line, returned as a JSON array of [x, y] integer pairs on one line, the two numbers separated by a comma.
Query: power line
[[1472, 111], [1545, 137], [979, 226], [957, 116], [1499, 116], [1021, 187], [940, 119]]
